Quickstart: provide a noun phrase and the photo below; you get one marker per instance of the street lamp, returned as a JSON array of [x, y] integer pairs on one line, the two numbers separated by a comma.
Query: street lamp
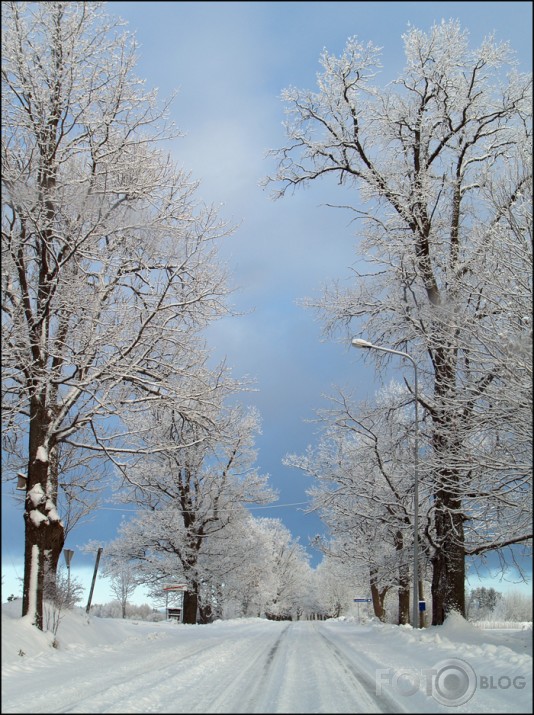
[[364, 344]]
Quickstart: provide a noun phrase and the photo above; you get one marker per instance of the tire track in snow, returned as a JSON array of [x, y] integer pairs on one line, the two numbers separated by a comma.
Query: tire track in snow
[[296, 670], [365, 684], [168, 688], [121, 677], [278, 668], [252, 687]]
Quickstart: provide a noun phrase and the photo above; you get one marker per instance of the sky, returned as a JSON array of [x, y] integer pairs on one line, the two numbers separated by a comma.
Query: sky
[[229, 62], [259, 666]]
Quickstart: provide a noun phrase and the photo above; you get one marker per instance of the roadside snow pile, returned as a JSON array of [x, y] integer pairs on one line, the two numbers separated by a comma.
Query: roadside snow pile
[[21, 640]]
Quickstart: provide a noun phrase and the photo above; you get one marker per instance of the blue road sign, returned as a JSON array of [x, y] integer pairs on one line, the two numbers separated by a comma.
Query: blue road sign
[[361, 600]]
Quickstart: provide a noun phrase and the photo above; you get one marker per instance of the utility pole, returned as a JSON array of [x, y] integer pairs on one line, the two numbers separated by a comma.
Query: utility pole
[[88, 608]]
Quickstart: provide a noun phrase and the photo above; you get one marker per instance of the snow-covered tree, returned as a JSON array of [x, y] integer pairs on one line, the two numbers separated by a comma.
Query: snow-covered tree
[[336, 585], [363, 487], [60, 595], [109, 265], [113, 609], [123, 581], [188, 493], [482, 602], [513, 606], [257, 568], [440, 160], [287, 570], [237, 563]]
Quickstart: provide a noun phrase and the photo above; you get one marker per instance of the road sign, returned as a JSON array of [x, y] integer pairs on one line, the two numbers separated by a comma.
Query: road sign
[[361, 600], [176, 587]]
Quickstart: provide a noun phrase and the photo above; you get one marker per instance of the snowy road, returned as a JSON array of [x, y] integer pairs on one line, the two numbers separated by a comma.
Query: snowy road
[[252, 666], [261, 667]]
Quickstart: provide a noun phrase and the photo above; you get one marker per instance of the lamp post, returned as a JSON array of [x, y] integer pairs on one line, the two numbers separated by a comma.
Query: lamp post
[[68, 553], [364, 344]]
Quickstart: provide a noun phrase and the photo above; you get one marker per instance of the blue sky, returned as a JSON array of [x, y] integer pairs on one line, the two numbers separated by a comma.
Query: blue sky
[[229, 62]]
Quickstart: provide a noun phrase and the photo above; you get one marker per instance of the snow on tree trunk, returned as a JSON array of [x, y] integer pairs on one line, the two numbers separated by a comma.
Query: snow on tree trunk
[[44, 538]]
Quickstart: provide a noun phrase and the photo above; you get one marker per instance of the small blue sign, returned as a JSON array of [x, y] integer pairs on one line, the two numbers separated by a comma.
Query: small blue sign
[[422, 605], [361, 600]]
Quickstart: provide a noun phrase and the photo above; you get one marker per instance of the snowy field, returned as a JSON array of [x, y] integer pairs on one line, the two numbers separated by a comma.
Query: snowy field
[[259, 666]]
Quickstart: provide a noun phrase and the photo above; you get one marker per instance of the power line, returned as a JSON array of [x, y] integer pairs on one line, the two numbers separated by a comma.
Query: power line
[[266, 506]]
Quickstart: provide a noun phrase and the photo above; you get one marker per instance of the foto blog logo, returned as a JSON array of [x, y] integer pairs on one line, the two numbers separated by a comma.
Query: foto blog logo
[[450, 682]]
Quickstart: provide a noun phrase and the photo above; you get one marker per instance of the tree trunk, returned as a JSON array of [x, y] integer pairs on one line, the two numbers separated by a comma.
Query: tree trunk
[[404, 600], [53, 556], [448, 566], [378, 596], [404, 583], [205, 613], [448, 562], [44, 532], [43, 542], [438, 594], [190, 607]]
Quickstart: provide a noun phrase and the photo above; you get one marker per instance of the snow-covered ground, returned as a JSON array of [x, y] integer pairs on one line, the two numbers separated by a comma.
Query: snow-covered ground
[[258, 666]]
